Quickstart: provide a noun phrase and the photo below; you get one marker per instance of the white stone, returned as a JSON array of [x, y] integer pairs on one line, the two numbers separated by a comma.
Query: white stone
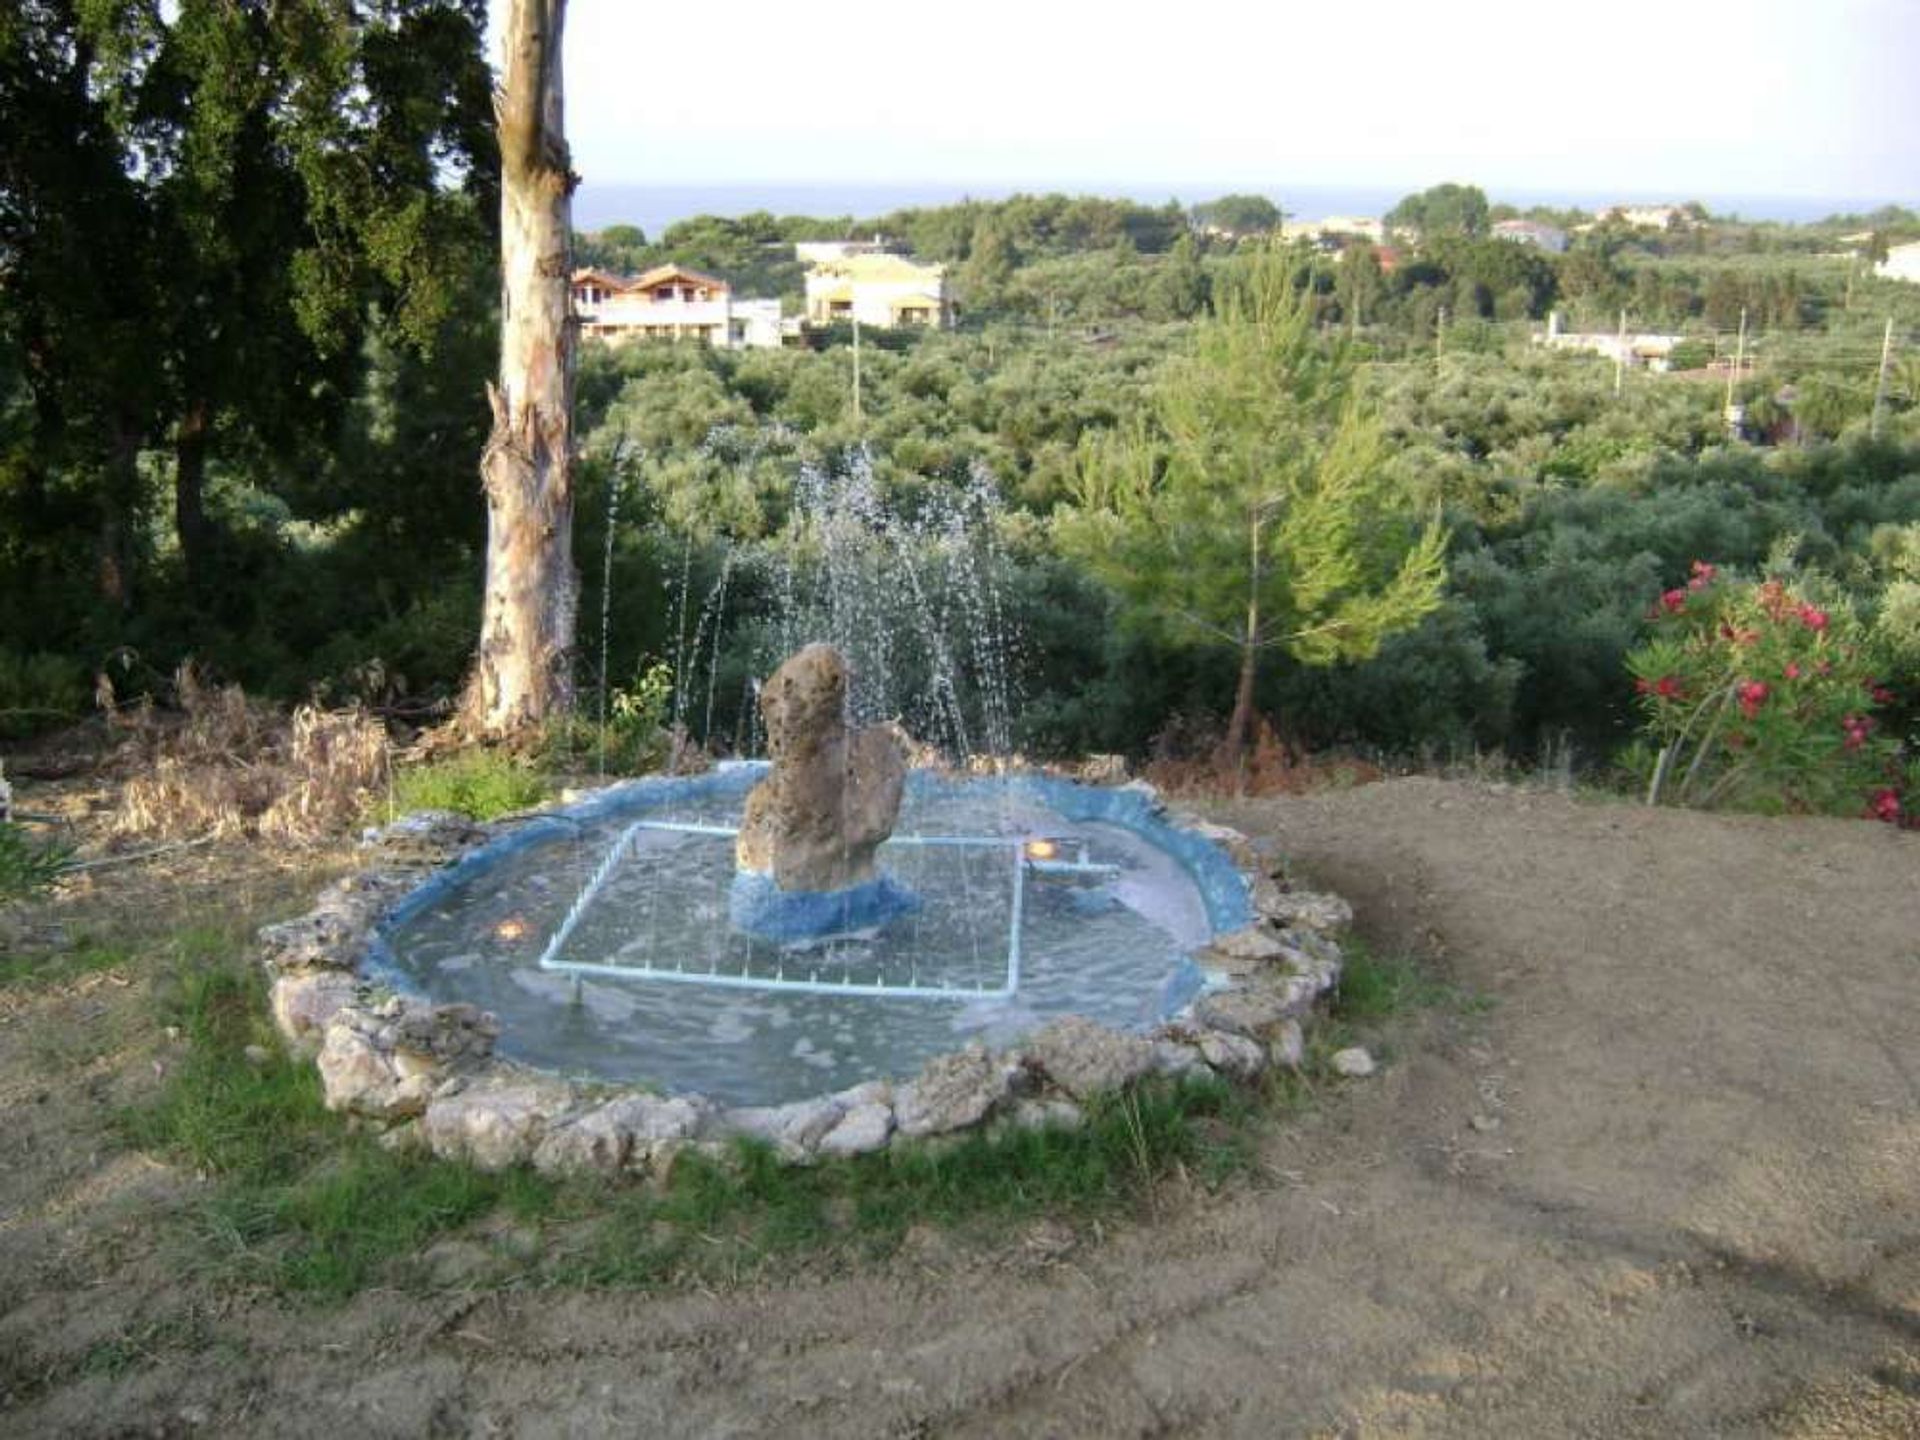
[[357, 1075], [1083, 1057], [1353, 1062], [953, 1092], [1233, 1055], [495, 1126], [1255, 942], [793, 1129], [305, 1002], [1047, 1115], [1288, 1046], [863, 1129]]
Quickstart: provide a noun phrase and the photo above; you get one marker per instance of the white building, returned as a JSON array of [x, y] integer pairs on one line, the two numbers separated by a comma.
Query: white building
[[822, 252], [1335, 228], [671, 302], [1902, 263], [1531, 232], [881, 290], [1653, 352]]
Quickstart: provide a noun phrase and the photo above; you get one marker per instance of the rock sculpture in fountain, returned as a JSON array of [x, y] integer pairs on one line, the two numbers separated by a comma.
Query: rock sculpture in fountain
[[805, 855]]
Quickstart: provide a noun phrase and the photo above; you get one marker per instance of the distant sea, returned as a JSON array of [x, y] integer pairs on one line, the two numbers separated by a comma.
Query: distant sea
[[654, 207]]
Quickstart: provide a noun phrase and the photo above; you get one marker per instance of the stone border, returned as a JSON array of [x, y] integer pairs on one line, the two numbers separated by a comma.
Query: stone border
[[426, 1073]]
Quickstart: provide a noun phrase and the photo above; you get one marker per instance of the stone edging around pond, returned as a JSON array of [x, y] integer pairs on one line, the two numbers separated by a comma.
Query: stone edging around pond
[[427, 1073]]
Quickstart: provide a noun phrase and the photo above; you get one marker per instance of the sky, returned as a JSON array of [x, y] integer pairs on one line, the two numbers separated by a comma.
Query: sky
[[1648, 98]]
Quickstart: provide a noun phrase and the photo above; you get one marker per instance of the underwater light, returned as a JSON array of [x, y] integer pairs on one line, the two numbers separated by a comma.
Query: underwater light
[[1042, 849], [512, 928]]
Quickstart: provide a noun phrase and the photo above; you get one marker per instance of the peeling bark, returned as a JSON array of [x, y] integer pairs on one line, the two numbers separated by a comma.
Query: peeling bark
[[524, 671]]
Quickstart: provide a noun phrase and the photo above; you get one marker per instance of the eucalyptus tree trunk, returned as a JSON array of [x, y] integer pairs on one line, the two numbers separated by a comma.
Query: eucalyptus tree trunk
[[524, 672]]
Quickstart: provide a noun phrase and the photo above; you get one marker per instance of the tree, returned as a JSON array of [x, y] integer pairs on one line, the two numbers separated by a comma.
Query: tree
[[524, 673], [1442, 210], [1239, 215], [1253, 508]]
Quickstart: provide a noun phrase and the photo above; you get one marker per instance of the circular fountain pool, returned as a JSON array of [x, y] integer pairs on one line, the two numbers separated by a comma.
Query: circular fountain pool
[[599, 935]]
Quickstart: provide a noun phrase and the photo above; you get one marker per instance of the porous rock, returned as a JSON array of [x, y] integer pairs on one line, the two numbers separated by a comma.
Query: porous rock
[[861, 1130], [1177, 1057], [494, 1126], [1288, 1046], [793, 1129], [832, 795], [1233, 1055], [953, 1092], [1082, 1056], [1242, 952], [305, 1002], [358, 1073], [424, 838], [1253, 1010], [1313, 910]]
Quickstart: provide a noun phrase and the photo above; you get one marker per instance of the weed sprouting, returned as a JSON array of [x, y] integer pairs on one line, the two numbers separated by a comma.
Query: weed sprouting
[[482, 784]]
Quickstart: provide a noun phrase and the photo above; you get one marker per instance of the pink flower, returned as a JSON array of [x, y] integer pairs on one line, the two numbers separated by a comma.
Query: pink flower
[[1885, 805], [1674, 601], [1752, 694], [1858, 727], [1793, 670], [1703, 575], [1669, 688], [1813, 618], [1881, 695]]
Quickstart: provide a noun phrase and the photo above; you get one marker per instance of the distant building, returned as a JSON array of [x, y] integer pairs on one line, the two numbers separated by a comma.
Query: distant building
[[1902, 263], [882, 290], [672, 302], [1334, 229], [1654, 217], [823, 252], [1531, 232], [1644, 350]]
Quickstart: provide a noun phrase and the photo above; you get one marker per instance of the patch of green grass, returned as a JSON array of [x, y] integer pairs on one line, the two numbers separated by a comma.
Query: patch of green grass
[[483, 784], [56, 967], [1376, 987], [302, 1203]]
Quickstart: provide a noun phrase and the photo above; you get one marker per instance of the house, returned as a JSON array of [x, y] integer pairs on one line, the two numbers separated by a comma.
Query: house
[[1649, 217], [672, 302], [1902, 263], [1654, 352], [1331, 232], [882, 290], [1531, 232], [821, 252]]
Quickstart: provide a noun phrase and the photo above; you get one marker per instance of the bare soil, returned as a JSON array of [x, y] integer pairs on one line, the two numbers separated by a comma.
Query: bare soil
[[1665, 1181]]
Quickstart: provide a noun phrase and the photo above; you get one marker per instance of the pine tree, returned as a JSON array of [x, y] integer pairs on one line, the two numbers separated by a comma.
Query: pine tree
[[1252, 507]]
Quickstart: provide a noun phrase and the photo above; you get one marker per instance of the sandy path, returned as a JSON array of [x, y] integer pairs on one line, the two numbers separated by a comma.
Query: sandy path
[[1669, 1184]]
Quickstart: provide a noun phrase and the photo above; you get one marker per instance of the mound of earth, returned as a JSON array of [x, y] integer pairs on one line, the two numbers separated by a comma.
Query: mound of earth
[[1659, 1178]]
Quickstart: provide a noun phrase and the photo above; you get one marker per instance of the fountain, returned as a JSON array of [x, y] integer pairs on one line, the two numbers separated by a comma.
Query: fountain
[[826, 948], [807, 839]]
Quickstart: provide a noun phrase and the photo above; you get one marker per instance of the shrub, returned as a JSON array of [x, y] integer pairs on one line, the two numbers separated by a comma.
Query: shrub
[[38, 692], [634, 737], [27, 866], [482, 784], [1757, 697]]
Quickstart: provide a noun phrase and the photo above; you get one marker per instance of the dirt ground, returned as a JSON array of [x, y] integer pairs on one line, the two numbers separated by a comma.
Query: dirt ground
[[1665, 1183]]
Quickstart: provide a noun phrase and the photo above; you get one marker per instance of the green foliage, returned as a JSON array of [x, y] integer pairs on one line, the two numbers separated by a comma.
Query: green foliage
[[38, 691], [634, 738], [1757, 697], [483, 784], [1257, 510], [1442, 210], [28, 866], [1239, 214]]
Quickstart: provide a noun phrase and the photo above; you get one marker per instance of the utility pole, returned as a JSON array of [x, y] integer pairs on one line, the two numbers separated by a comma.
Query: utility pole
[[856, 367], [1734, 414], [1439, 334], [1880, 381], [1620, 355]]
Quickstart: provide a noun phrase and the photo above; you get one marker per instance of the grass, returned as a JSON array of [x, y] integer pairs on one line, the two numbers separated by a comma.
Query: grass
[[57, 967], [481, 784], [300, 1202]]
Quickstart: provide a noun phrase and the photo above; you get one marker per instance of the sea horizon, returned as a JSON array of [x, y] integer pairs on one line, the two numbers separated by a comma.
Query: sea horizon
[[656, 207]]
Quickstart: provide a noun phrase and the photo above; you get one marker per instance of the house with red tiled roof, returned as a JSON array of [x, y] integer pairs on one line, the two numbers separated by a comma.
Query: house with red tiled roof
[[671, 302]]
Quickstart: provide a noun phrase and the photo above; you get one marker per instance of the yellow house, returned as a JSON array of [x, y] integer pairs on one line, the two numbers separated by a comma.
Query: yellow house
[[885, 291]]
